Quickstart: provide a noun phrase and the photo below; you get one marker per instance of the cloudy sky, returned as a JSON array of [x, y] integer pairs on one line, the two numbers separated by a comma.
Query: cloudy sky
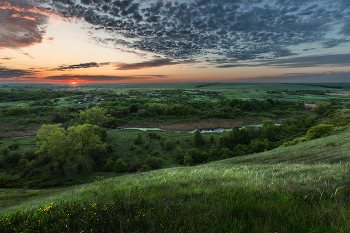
[[128, 41]]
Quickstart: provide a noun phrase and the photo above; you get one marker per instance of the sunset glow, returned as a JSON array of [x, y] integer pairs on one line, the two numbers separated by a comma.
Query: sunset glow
[[134, 41]]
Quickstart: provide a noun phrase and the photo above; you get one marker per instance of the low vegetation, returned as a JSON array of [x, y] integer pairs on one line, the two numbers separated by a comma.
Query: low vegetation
[[80, 172]]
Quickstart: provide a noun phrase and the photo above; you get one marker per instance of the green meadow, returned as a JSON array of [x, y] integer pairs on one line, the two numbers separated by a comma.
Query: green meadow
[[300, 188], [277, 178]]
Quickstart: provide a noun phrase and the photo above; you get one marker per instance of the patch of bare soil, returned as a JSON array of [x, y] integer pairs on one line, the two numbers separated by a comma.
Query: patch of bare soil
[[339, 93], [29, 132], [214, 124], [310, 106]]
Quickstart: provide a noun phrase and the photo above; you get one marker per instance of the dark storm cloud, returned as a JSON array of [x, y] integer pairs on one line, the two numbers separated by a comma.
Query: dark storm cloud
[[153, 63], [222, 30], [80, 66], [6, 73], [20, 25]]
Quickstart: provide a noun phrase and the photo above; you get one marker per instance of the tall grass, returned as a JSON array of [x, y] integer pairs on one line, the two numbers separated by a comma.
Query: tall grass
[[301, 188]]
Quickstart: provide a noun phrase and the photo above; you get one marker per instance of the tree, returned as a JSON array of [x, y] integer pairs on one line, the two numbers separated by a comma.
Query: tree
[[83, 139], [52, 143], [94, 116], [57, 146], [197, 139]]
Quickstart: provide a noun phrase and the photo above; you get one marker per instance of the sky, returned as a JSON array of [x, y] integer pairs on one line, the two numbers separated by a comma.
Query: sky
[[165, 41]]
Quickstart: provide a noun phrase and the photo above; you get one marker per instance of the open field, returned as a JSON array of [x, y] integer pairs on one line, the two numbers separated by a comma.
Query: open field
[[166, 179]]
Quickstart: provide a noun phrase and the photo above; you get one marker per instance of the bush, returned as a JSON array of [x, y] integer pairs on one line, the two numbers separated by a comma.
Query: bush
[[135, 166], [14, 146], [132, 146], [139, 138], [258, 145], [6, 151], [197, 139], [30, 155], [138, 149], [322, 108], [319, 131], [147, 145], [168, 144], [188, 160], [211, 139], [13, 158], [108, 167], [155, 152], [144, 168], [225, 153], [153, 162], [10, 181], [178, 154], [120, 166]]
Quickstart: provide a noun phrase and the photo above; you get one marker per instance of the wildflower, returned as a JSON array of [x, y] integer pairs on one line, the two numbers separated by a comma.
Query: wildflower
[[164, 200]]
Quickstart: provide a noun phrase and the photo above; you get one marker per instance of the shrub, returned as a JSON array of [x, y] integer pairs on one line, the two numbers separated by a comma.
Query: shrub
[[258, 145], [135, 166], [347, 105], [153, 161], [108, 167], [319, 131], [14, 146], [168, 144], [30, 154], [178, 154], [10, 181], [6, 151], [225, 153], [196, 155], [132, 146], [322, 108], [211, 139], [147, 145], [155, 152], [139, 138], [197, 139], [144, 168], [188, 160], [138, 149], [120, 166], [13, 158]]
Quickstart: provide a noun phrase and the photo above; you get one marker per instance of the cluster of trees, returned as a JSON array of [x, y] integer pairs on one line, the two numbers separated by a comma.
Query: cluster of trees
[[25, 94]]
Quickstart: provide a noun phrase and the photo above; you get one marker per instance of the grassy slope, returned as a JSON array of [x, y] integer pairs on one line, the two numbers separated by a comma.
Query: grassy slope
[[300, 188]]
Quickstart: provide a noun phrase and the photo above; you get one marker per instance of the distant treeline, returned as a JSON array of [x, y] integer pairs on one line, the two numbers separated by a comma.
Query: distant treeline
[[205, 85]]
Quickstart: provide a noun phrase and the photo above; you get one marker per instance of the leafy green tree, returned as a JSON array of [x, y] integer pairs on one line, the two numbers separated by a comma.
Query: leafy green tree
[[322, 108], [269, 130], [58, 146], [94, 116], [83, 139], [52, 143], [197, 139]]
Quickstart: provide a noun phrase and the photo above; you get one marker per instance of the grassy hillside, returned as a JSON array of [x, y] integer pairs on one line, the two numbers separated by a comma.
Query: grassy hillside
[[301, 188]]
